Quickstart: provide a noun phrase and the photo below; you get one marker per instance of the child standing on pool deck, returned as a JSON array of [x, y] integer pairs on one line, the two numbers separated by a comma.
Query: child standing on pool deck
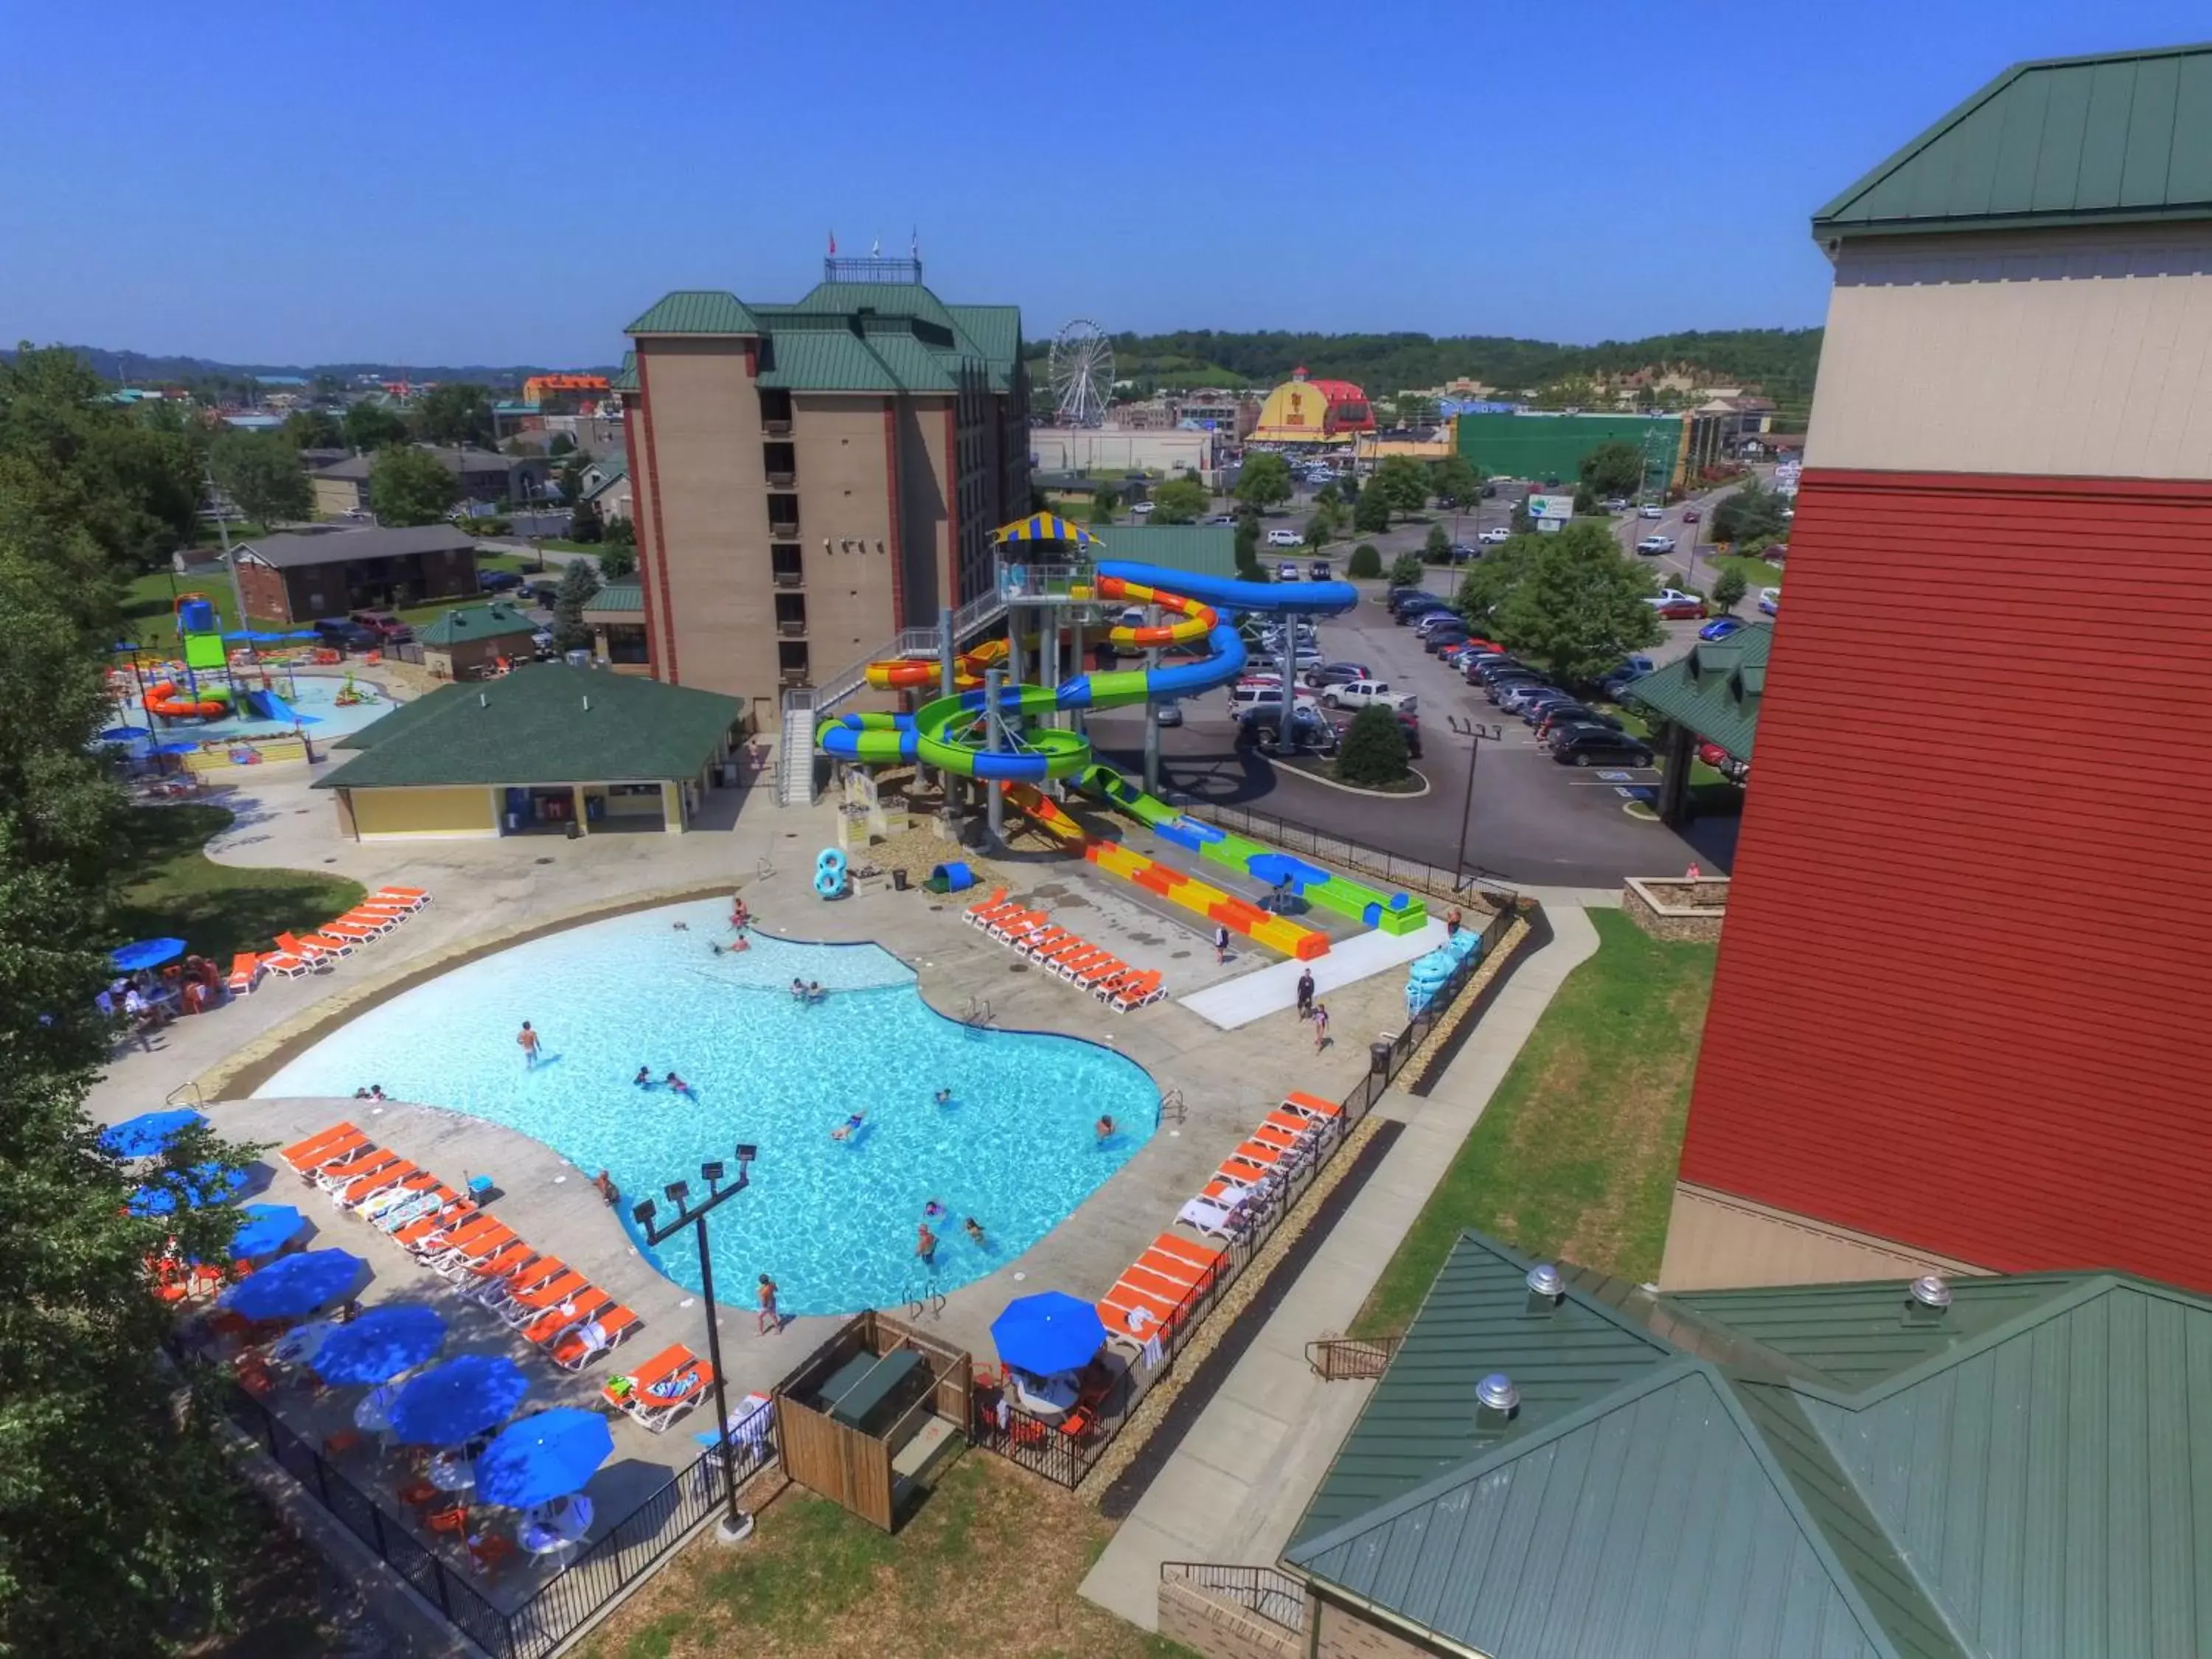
[[527, 1039], [769, 1319]]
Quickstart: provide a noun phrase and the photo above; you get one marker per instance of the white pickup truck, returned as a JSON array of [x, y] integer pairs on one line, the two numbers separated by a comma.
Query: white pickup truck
[[1368, 694]]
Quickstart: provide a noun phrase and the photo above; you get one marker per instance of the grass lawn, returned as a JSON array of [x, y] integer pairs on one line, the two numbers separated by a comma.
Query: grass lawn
[[986, 1570], [1757, 573], [217, 909], [1575, 1157]]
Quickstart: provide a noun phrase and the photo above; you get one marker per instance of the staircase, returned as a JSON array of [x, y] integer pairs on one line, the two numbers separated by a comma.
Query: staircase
[[804, 706]]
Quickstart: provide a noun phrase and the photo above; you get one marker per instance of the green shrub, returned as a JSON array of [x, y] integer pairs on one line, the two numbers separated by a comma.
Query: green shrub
[[1366, 561], [1405, 570], [1436, 547], [1373, 752], [1729, 588]]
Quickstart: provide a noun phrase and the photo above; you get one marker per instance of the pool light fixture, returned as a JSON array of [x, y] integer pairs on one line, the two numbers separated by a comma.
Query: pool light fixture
[[677, 1191], [642, 1210]]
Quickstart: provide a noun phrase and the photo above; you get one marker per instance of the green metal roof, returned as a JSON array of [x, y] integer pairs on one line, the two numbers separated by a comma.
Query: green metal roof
[[1203, 550], [625, 377], [2067, 141], [1420, 1422], [1716, 690], [824, 360], [696, 311], [625, 597], [1808, 1469], [473, 622], [548, 723]]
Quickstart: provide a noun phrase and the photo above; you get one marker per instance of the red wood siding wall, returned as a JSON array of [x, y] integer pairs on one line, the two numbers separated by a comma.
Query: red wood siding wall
[[1964, 994]]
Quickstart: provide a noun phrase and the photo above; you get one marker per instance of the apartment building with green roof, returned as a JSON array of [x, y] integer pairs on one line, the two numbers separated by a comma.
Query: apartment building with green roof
[[809, 477]]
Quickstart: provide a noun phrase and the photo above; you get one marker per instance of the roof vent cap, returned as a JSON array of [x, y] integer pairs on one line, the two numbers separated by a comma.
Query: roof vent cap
[[1495, 1393], [1930, 1292], [1544, 1280]]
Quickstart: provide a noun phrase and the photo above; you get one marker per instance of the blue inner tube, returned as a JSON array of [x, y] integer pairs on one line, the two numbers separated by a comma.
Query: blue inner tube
[[830, 862], [828, 883]]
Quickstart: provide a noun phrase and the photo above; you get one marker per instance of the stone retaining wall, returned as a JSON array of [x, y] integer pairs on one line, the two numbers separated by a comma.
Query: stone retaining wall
[[1677, 907], [1217, 1628]]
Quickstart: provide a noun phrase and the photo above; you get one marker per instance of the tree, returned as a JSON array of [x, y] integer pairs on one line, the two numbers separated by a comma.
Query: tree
[[1317, 531], [1437, 548], [1405, 570], [1751, 513], [621, 532], [260, 471], [1328, 495], [313, 429], [1366, 561], [1614, 469], [1578, 605], [617, 559], [1401, 481], [584, 523], [455, 413], [1370, 513], [562, 444], [1487, 582], [1414, 409], [579, 585], [1729, 588], [1373, 752], [117, 1514], [570, 480], [370, 426], [1180, 500], [1248, 567], [1586, 499], [1103, 501], [1454, 480], [1264, 481], [410, 486]]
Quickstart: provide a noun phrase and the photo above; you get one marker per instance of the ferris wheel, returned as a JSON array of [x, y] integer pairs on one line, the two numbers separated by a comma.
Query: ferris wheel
[[1081, 368]]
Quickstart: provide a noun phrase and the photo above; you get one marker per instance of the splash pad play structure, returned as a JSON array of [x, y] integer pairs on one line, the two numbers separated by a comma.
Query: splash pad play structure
[[1022, 740], [206, 684]]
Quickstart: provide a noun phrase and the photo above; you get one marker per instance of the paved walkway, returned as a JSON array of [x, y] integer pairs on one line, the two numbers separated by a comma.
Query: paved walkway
[[1236, 1486]]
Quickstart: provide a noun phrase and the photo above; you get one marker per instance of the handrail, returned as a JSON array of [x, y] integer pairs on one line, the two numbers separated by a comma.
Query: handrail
[[1336, 1357], [190, 1090], [1172, 1105], [1269, 1592]]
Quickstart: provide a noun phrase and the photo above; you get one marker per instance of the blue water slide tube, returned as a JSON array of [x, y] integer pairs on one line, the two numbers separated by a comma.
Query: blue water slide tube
[[1227, 594]]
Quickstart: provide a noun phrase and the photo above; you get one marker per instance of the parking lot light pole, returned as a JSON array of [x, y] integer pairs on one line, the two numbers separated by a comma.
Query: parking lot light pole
[[1477, 733], [736, 1524]]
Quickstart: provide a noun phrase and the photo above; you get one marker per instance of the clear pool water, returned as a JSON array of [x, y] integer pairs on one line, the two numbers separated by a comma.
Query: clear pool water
[[833, 1223], [316, 698]]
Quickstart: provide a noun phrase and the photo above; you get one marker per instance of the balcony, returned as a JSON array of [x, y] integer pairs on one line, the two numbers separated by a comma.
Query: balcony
[[791, 628], [783, 516], [780, 463], [788, 676], [786, 577], [775, 413]]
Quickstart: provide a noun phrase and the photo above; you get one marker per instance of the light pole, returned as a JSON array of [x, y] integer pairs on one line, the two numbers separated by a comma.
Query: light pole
[[1477, 733], [737, 1524]]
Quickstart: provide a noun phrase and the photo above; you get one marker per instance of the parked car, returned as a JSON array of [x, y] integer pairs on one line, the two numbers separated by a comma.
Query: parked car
[[1770, 601], [1245, 696], [346, 635], [497, 581], [1535, 704], [1318, 571], [1720, 628], [1671, 603], [1367, 693], [1141, 510], [1650, 510], [1336, 673], [1437, 638], [1690, 515], [1442, 616], [1304, 654], [1261, 728], [1651, 545], [1404, 601], [1487, 671], [1461, 552], [1713, 755], [1169, 714], [1517, 696], [1775, 552], [1223, 517], [1615, 503], [1284, 538], [1494, 536], [1596, 746], [386, 626], [1286, 572], [1489, 492], [1561, 715]]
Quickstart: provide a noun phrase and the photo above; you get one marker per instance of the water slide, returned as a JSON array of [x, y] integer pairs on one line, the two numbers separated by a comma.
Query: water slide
[[163, 697], [952, 732]]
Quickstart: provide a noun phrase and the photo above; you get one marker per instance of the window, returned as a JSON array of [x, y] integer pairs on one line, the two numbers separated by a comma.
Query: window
[[782, 514], [786, 564], [781, 462], [791, 613], [775, 412], [791, 661]]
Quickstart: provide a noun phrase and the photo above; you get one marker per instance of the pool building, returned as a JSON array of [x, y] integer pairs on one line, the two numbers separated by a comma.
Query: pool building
[[546, 750]]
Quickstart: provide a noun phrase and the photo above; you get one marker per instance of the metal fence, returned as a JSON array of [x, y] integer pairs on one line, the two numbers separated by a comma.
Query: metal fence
[[1334, 1358], [585, 1583], [1267, 1592], [1414, 875], [1065, 1456]]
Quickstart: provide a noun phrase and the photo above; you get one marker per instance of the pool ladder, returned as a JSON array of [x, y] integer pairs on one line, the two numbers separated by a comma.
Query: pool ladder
[[978, 1013], [926, 1299], [1172, 1109]]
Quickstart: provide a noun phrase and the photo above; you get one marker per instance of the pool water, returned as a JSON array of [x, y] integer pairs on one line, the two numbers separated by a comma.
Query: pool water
[[316, 699], [833, 1223]]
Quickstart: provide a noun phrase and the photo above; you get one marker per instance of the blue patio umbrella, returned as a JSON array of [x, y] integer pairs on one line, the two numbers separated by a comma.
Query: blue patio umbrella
[[148, 1133], [203, 1184], [125, 733], [1051, 1331], [543, 1457], [296, 1284], [449, 1403], [268, 1227], [146, 953], [174, 747], [380, 1343]]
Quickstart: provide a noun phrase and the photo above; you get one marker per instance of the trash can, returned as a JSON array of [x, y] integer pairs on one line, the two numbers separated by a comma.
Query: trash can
[[898, 879], [1378, 1058]]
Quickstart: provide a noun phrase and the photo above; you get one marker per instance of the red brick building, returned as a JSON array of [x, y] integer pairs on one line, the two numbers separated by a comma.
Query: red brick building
[[300, 577], [1963, 1014]]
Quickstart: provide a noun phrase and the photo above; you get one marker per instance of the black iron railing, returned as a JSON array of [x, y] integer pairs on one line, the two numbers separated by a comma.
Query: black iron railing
[[1265, 1592], [1334, 1358], [1414, 875], [585, 1585]]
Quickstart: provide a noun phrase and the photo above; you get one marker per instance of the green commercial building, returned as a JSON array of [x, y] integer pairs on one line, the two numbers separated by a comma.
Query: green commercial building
[[1541, 446], [2010, 1467]]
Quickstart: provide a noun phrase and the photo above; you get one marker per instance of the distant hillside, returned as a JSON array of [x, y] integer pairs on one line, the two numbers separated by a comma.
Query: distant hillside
[[146, 367], [1782, 361]]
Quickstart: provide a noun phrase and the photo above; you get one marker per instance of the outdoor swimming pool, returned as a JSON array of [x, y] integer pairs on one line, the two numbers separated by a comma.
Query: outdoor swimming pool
[[832, 1222], [314, 695]]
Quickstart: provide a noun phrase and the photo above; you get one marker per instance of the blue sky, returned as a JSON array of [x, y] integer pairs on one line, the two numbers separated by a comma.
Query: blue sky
[[500, 182]]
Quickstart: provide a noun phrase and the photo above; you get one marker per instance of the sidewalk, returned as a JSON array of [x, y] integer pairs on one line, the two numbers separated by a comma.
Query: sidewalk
[[1236, 1486]]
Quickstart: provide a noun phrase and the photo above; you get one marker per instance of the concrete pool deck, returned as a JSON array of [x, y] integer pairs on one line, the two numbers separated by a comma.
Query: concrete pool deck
[[487, 891]]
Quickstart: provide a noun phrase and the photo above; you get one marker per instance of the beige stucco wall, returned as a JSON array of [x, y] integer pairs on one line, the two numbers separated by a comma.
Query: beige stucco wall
[[461, 811], [1717, 1241], [2061, 353], [844, 501]]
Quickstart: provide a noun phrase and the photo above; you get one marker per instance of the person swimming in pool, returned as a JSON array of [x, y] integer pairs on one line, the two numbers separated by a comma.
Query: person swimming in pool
[[944, 1097], [924, 1242], [676, 1084], [644, 1078], [798, 990], [1104, 1128], [814, 991], [932, 1209], [846, 1130], [973, 1228]]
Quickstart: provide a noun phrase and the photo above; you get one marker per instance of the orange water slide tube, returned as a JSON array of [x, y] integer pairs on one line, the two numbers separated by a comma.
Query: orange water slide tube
[[162, 697]]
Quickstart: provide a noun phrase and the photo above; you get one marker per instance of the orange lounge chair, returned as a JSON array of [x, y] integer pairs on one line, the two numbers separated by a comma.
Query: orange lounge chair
[[525, 1306], [557, 1321], [289, 966], [1044, 941], [1155, 1287], [665, 1387], [245, 972], [1110, 967], [1019, 925], [1075, 961], [1203, 1256], [502, 1265], [469, 1246], [302, 1154], [998, 897], [998, 912], [1166, 1258], [1292, 1124], [352, 932], [413, 897], [1066, 950], [500, 1296], [336, 1177], [1134, 1314], [401, 1174], [454, 1227], [444, 1220], [1105, 988], [314, 947], [1269, 1136], [369, 919], [573, 1351], [1135, 993], [1313, 1106]]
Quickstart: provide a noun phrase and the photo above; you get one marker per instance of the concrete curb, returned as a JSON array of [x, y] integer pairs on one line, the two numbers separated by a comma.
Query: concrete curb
[[1281, 770]]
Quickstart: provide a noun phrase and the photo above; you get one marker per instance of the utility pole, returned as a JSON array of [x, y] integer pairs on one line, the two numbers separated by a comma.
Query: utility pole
[[1477, 733], [223, 528], [736, 1523]]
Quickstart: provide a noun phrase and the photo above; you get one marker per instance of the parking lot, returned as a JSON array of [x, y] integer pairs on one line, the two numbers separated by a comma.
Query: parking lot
[[1534, 821]]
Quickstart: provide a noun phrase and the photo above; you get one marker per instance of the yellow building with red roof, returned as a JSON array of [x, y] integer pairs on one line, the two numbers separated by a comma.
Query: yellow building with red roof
[[1309, 412]]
